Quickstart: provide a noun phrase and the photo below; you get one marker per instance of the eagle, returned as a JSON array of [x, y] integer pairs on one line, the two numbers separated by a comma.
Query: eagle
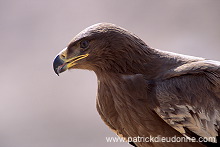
[[144, 92]]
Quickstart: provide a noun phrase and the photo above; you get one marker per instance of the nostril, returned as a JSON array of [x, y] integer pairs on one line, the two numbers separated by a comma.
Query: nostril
[[63, 56]]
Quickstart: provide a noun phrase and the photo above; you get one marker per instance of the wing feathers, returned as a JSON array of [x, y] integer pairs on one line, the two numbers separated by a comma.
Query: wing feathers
[[189, 97]]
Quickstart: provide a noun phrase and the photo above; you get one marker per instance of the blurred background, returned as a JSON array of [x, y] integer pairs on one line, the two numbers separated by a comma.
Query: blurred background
[[40, 109]]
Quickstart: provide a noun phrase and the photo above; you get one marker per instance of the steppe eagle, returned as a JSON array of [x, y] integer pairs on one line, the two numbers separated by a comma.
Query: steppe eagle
[[144, 91]]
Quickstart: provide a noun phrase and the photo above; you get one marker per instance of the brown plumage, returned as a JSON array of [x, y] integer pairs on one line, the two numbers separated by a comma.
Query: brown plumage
[[144, 91]]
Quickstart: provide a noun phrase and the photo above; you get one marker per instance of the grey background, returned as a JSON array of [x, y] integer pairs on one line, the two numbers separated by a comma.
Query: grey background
[[39, 109]]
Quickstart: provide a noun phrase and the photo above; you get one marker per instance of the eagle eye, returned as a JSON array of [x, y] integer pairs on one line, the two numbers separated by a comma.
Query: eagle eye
[[84, 44]]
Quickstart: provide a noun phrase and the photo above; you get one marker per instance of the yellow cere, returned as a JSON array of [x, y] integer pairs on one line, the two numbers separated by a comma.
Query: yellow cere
[[74, 59]]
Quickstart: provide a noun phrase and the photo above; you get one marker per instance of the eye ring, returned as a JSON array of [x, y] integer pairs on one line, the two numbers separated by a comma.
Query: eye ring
[[84, 44]]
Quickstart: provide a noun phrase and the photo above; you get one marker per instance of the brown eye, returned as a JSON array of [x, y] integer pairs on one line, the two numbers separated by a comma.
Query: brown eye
[[84, 44]]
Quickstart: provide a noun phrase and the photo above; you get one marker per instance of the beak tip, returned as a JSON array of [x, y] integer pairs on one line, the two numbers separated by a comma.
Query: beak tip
[[56, 64], [56, 72]]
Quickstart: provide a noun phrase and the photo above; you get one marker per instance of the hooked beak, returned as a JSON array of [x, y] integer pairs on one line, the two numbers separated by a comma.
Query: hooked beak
[[61, 63]]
